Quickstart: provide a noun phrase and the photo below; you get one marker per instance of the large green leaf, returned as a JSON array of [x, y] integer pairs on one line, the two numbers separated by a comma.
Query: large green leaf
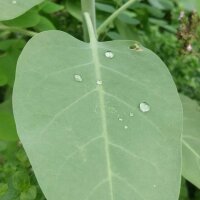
[[10, 9], [191, 141], [81, 118]]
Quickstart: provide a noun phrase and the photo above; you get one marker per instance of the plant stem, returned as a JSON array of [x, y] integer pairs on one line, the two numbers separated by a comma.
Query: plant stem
[[16, 29], [112, 17], [90, 28], [88, 6]]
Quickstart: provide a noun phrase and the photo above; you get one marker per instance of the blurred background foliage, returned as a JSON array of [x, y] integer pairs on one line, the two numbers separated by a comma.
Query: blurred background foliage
[[171, 28]]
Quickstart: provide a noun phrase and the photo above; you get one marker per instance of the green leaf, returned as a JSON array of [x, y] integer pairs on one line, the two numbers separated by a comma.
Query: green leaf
[[7, 126], [29, 19], [11, 9], [191, 141], [51, 7], [105, 7], [162, 4], [184, 191], [21, 181], [78, 117], [3, 189], [9, 59], [128, 19], [74, 8], [44, 25], [30, 194], [3, 78]]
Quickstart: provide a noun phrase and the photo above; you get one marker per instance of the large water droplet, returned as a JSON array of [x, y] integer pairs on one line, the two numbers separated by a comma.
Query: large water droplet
[[136, 47], [99, 82], [14, 2], [78, 78], [144, 107], [109, 54]]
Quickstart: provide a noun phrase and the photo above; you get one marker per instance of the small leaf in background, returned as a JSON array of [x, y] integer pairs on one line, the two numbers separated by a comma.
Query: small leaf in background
[[44, 25], [104, 7], [191, 141], [29, 19], [162, 4], [8, 60], [7, 126], [3, 189], [74, 8], [129, 18], [10, 9], [51, 7], [90, 116], [3, 78], [29, 194], [184, 191], [21, 181]]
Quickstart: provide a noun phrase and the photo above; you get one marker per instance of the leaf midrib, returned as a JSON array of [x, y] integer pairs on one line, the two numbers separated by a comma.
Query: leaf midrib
[[94, 49]]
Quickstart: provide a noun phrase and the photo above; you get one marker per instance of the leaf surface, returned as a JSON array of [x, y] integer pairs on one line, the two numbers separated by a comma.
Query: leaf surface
[[78, 117], [191, 141], [10, 9]]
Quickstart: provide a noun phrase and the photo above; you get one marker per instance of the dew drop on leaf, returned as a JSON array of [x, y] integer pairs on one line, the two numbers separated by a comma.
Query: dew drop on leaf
[[14, 2], [99, 82], [109, 54], [125, 127], [78, 78], [131, 114], [120, 119], [144, 107], [136, 47]]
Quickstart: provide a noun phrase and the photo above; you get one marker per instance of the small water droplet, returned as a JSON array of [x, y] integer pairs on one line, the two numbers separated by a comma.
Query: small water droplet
[[125, 127], [154, 186], [109, 54], [131, 114], [136, 47], [120, 119], [78, 78], [144, 107], [99, 82], [14, 2]]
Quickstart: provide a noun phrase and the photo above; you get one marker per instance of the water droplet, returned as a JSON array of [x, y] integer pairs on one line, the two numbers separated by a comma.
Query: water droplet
[[109, 54], [144, 107], [136, 47], [120, 119], [99, 82], [14, 2], [78, 78], [154, 186], [125, 127], [131, 114], [189, 48]]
